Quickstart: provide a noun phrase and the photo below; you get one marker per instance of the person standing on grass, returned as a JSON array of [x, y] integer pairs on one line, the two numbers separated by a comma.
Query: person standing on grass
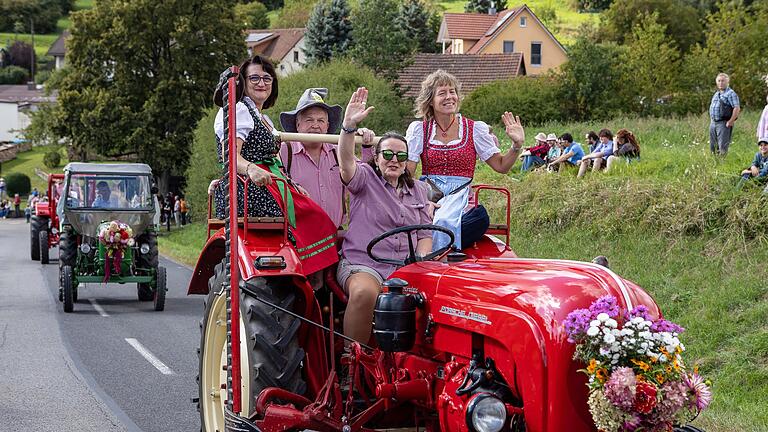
[[177, 210], [184, 210], [724, 109], [2, 187], [762, 125], [17, 205]]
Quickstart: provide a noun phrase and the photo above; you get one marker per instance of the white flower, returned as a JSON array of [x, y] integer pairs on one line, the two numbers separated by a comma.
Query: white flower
[[637, 320], [594, 323], [603, 317], [616, 332], [609, 338], [593, 331], [663, 358], [611, 323]]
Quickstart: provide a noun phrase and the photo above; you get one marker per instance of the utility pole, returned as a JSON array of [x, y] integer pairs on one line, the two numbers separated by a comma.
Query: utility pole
[[32, 55]]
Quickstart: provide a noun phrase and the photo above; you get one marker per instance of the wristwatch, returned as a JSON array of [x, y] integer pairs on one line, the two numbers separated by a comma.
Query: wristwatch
[[349, 131]]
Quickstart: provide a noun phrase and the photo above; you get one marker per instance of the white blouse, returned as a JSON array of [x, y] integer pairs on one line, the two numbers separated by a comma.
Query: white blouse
[[244, 120], [485, 145]]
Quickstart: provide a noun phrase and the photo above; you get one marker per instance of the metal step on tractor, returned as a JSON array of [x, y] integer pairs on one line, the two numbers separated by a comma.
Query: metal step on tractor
[[107, 234], [468, 340]]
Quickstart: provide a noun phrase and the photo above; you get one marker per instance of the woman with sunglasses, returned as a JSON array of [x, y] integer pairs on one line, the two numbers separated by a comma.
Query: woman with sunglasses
[[310, 228], [448, 146], [383, 196]]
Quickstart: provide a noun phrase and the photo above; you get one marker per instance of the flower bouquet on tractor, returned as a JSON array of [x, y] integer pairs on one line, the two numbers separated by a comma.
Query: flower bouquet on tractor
[[471, 340]]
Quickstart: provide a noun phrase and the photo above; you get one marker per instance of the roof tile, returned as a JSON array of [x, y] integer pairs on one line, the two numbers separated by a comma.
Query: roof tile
[[280, 41]]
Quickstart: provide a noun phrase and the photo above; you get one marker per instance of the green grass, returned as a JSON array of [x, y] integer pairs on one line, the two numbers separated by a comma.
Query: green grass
[[42, 41], [569, 20], [26, 162], [674, 224], [183, 245]]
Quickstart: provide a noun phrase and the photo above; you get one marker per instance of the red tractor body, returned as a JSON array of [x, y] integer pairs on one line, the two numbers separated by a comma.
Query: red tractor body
[[44, 226]]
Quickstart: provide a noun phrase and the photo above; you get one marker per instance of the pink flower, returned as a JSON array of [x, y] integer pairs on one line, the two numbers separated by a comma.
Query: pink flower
[[700, 393], [621, 387]]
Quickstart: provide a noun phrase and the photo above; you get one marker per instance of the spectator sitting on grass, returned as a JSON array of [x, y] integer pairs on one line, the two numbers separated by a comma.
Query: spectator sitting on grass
[[571, 153], [534, 156], [759, 167], [554, 151], [592, 141], [625, 145], [597, 158]]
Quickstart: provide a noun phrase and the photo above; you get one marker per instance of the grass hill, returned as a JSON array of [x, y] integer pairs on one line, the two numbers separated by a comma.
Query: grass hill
[[44, 41]]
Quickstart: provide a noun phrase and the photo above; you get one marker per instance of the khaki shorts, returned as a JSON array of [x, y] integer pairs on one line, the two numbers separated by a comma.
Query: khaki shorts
[[347, 269]]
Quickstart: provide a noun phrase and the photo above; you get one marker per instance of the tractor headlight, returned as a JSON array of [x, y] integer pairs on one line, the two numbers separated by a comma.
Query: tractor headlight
[[486, 413], [85, 248], [144, 249]]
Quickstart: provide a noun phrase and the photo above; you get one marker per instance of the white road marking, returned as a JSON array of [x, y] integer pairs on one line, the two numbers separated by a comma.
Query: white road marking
[[154, 361], [98, 308]]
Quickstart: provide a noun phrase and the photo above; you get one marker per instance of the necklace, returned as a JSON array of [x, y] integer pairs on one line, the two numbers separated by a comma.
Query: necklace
[[444, 132]]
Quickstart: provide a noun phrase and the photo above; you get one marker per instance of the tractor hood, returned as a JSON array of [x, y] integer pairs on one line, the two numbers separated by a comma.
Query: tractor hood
[[87, 222], [546, 291]]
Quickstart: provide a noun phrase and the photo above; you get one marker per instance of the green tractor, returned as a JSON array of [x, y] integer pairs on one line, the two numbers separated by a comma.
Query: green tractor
[[107, 232]]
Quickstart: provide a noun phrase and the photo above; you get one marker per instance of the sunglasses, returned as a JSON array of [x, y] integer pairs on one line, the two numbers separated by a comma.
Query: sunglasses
[[389, 154], [254, 79]]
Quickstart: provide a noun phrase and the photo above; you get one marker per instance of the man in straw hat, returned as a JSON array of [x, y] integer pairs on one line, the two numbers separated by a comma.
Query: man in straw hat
[[535, 156], [315, 166]]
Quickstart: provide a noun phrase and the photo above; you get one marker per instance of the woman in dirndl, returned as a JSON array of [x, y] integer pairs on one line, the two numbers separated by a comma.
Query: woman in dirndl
[[448, 146], [310, 228]]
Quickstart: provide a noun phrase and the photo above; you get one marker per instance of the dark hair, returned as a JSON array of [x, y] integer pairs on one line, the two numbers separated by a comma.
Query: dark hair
[[627, 137], [218, 97], [102, 183], [606, 133], [592, 135], [567, 137], [405, 178]]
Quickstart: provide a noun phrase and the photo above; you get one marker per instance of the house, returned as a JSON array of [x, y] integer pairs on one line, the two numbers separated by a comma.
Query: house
[[16, 102], [58, 49], [512, 30], [285, 47], [472, 70]]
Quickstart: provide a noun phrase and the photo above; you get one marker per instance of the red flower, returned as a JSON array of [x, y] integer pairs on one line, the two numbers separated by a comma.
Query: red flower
[[645, 397]]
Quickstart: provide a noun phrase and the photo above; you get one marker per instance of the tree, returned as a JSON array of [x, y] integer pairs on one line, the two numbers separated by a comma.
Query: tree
[[251, 15], [138, 94], [680, 19], [22, 55], [273, 4], [416, 20], [294, 14], [649, 68], [22, 13], [380, 43], [593, 5], [483, 6], [329, 31]]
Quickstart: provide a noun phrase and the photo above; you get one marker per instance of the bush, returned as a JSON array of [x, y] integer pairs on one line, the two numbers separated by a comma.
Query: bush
[[251, 16], [18, 183], [52, 159], [13, 75], [205, 167], [535, 100]]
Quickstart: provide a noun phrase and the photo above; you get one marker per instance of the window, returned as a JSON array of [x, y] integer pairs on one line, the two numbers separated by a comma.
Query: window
[[295, 56], [523, 21], [457, 46], [536, 53], [509, 46]]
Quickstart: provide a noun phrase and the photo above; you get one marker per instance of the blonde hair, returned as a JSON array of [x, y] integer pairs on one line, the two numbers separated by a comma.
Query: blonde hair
[[423, 106]]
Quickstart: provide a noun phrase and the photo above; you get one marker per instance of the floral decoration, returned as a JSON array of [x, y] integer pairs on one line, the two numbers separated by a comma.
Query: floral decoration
[[115, 236], [637, 378]]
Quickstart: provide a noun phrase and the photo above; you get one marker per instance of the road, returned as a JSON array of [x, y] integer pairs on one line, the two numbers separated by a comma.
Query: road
[[114, 364]]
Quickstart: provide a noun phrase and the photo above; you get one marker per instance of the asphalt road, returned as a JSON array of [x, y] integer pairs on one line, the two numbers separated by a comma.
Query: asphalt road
[[114, 364]]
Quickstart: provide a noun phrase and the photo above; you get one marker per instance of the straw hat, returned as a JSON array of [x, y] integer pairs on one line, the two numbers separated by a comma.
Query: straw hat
[[312, 97], [551, 137], [541, 136]]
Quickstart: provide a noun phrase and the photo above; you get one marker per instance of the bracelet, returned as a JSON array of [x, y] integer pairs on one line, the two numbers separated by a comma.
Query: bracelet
[[248, 167], [349, 131]]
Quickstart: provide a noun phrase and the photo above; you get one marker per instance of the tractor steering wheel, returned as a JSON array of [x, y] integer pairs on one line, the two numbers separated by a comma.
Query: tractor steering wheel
[[411, 258]]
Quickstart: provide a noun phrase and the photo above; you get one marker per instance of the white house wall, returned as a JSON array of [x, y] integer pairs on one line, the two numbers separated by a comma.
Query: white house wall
[[10, 121], [288, 65]]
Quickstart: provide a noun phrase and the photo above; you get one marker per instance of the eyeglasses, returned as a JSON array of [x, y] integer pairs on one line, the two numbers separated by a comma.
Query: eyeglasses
[[389, 154], [254, 79]]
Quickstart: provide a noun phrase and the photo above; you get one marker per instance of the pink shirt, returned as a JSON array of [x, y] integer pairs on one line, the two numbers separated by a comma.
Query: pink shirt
[[321, 180], [762, 126], [377, 207]]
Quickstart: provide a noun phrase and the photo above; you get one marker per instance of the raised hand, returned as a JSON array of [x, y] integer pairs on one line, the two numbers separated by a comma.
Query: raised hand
[[356, 110], [513, 128]]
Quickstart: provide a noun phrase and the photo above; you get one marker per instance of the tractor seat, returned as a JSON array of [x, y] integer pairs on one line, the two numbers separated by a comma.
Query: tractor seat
[[254, 223]]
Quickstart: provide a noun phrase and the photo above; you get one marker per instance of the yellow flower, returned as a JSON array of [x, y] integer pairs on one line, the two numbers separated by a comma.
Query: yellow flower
[[659, 378], [602, 375], [668, 369], [592, 366], [642, 365]]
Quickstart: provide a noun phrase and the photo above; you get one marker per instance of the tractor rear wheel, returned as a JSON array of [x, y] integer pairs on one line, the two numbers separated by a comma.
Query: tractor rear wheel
[[67, 248], [43, 241], [67, 288], [36, 225], [269, 349], [160, 289]]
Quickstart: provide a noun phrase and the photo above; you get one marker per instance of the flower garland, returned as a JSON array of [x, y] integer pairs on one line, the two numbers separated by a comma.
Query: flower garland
[[115, 236], [637, 378]]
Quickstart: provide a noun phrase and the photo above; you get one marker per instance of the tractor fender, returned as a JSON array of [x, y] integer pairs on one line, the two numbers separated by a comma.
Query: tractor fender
[[42, 209], [251, 246]]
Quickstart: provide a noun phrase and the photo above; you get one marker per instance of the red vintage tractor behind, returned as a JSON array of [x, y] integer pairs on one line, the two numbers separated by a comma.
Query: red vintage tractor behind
[[44, 227], [463, 341]]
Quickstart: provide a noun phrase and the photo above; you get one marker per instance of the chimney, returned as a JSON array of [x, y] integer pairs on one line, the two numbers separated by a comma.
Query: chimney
[[492, 9]]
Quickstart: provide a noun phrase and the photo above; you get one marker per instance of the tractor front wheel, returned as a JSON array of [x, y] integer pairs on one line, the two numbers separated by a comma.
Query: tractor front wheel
[[37, 224], [67, 288], [67, 248], [43, 242], [160, 289], [270, 355]]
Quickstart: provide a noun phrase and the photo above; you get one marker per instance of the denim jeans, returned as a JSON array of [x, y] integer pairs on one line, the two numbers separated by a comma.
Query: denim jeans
[[531, 161]]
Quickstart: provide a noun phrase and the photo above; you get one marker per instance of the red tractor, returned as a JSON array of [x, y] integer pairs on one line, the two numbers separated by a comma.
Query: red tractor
[[44, 227], [462, 341]]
